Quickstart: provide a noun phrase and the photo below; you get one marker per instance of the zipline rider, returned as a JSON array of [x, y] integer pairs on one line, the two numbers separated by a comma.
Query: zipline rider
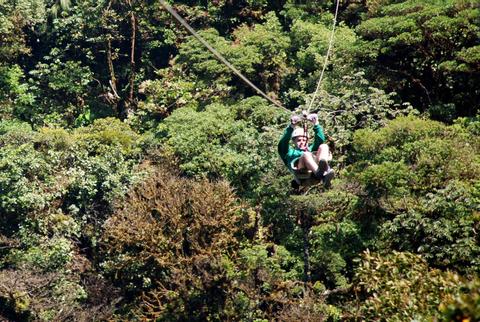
[[302, 157]]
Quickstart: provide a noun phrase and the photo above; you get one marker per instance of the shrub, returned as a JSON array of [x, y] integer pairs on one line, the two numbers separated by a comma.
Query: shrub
[[224, 141], [419, 178], [465, 306], [166, 241], [400, 286]]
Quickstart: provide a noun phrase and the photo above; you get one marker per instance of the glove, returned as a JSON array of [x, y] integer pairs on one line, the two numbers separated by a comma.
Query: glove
[[313, 118], [295, 119]]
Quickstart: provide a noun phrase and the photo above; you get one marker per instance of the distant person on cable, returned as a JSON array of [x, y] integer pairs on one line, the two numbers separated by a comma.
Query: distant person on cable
[[303, 157]]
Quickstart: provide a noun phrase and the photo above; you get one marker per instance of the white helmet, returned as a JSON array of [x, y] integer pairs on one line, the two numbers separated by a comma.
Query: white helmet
[[298, 132]]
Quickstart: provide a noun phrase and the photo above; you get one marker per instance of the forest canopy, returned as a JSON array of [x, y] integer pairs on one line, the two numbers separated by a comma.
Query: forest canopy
[[140, 179]]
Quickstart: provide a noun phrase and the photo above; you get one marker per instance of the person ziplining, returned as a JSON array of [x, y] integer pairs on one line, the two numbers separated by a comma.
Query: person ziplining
[[309, 161], [304, 160]]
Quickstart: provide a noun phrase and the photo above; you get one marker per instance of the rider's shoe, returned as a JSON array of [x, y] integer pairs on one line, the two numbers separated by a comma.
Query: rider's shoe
[[327, 177], [322, 169], [322, 166]]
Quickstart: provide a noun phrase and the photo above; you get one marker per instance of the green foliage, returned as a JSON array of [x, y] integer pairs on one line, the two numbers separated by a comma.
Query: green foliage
[[24, 174], [354, 105], [52, 181], [57, 188], [14, 94], [14, 17], [276, 214], [67, 85], [403, 131], [470, 126], [223, 141], [270, 44], [443, 234], [108, 135], [260, 49], [167, 239], [401, 286], [162, 97], [387, 179], [202, 62], [45, 243], [265, 280], [465, 306], [426, 51], [303, 10], [333, 245], [334, 239], [310, 44], [48, 254], [64, 77], [73, 219], [420, 178], [96, 161], [277, 261], [14, 128]]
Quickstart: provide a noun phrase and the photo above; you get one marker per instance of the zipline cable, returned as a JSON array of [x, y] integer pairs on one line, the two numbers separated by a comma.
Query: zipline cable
[[217, 54], [330, 45]]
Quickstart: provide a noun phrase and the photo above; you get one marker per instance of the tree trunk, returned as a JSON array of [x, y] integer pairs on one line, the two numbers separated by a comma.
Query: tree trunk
[[133, 22], [112, 97], [305, 223]]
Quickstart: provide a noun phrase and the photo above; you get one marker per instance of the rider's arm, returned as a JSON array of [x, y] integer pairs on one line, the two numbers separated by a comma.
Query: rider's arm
[[284, 143], [319, 137]]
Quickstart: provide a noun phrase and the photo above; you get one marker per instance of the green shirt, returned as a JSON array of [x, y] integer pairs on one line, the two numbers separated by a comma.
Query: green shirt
[[289, 154]]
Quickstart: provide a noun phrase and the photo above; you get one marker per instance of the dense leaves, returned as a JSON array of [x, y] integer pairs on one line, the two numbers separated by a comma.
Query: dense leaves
[[426, 202], [139, 176], [169, 239], [401, 286], [224, 141], [428, 51]]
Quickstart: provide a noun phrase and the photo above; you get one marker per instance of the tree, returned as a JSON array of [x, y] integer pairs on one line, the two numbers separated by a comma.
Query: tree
[[15, 18], [167, 240], [427, 52], [400, 285], [419, 181], [57, 189], [235, 142]]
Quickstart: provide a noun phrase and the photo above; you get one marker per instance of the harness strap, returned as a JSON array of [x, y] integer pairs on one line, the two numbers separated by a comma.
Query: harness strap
[[305, 125]]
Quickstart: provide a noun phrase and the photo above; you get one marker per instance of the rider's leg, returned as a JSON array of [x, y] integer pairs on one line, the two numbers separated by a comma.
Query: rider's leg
[[323, 152], [322, 157], [307, 160], [324, 171]]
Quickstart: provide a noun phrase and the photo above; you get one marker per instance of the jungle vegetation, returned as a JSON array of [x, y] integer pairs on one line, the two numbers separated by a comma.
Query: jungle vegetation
[[139, 177]]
